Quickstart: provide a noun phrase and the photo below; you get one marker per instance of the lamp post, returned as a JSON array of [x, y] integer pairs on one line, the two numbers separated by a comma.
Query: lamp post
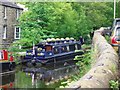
[[114, 8]]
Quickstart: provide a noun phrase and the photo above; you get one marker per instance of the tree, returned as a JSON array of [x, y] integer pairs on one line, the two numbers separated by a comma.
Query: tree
[[34, 24], [63, 19]]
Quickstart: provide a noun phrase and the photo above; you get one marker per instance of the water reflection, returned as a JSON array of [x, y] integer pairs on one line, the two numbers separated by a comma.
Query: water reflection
[[7, 79], [25, 81]]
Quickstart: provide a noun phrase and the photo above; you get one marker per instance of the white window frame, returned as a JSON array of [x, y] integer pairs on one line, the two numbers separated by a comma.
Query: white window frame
[[4, 32], [17, 13], [15, 33], [68, 49], [1, 55], [76, 47], [5, 12]]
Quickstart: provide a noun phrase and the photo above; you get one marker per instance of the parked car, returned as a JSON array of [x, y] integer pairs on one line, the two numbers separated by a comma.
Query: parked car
[[109, 30], [115, 22], [115, 37]]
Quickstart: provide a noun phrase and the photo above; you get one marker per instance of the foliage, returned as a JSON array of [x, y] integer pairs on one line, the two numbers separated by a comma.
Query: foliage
[[34, 23], [63, 19], [107, 38], [114, 84], [22, 81], [84, 64], [14, 47]]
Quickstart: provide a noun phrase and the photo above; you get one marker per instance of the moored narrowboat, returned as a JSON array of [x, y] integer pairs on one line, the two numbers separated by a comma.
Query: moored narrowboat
[[51, 54], [7, 69]]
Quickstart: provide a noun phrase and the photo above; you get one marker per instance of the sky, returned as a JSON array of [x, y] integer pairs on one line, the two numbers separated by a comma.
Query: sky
[[61, 0]]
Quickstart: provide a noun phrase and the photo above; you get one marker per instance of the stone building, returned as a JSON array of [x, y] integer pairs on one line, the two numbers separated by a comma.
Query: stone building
[[9, 29]]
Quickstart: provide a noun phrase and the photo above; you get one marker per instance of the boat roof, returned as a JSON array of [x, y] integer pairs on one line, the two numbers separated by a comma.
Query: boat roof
[[57, 44]]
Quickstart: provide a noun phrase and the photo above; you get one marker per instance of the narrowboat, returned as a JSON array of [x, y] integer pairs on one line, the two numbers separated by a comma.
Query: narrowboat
[[51, 54], [7, 69]]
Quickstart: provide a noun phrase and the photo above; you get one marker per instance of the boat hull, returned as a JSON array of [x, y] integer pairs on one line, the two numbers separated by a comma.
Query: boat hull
[[52, 62], [7, 74], [6, 66], [7, 78]]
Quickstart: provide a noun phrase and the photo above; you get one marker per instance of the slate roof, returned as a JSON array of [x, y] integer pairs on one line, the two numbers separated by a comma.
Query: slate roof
[[9, 4]]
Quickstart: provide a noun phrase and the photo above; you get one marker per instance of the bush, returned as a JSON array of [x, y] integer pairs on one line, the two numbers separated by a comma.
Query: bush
[[114, 84]]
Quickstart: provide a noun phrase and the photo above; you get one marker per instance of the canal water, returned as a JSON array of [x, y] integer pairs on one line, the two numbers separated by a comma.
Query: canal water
[[23, 80]]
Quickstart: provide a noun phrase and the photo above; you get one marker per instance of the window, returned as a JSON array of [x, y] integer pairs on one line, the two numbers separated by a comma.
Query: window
[[64, 49], [4, 12], [48, 48], [17, 13], [117, 33], [1, 55], [56, 50], [76, 47], [17, 33], [72, 47], [117, 22], [68, 48], [79, 46], [4, 32]]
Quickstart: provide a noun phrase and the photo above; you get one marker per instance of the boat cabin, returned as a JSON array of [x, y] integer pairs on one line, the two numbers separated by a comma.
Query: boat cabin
[[51, 49], [3, 55]]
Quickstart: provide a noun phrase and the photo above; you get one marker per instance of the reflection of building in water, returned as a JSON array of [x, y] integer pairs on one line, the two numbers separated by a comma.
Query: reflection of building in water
[[7, 80]]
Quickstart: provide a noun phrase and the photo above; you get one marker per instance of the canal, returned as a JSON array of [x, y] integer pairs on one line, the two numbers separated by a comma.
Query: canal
[[23, 80]]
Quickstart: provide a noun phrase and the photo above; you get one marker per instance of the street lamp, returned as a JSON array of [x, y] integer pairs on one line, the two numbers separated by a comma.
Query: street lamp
[[114, 8]]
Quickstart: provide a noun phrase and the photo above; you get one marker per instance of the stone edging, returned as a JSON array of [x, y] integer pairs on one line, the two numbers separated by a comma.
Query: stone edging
[[105, 68]]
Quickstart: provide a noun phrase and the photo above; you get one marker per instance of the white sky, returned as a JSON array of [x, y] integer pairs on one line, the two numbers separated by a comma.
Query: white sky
[[63, 0]]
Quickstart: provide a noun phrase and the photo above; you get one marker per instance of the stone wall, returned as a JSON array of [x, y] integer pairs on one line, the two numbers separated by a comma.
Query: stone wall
[[10, 22], [1, 25], [105, 68]]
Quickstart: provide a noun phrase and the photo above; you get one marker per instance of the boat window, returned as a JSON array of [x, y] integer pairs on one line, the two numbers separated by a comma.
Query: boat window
[[63, 49], [72, 47], [48, 48], [79, 46], [68, 48], [56, 50], [76, 47]]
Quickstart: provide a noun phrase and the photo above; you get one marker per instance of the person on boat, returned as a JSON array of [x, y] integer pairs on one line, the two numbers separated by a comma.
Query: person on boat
[[81, 40], [11, 57]]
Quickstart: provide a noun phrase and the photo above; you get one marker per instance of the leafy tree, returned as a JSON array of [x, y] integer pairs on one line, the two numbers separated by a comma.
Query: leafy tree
[[63, 19], [34, 23]]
